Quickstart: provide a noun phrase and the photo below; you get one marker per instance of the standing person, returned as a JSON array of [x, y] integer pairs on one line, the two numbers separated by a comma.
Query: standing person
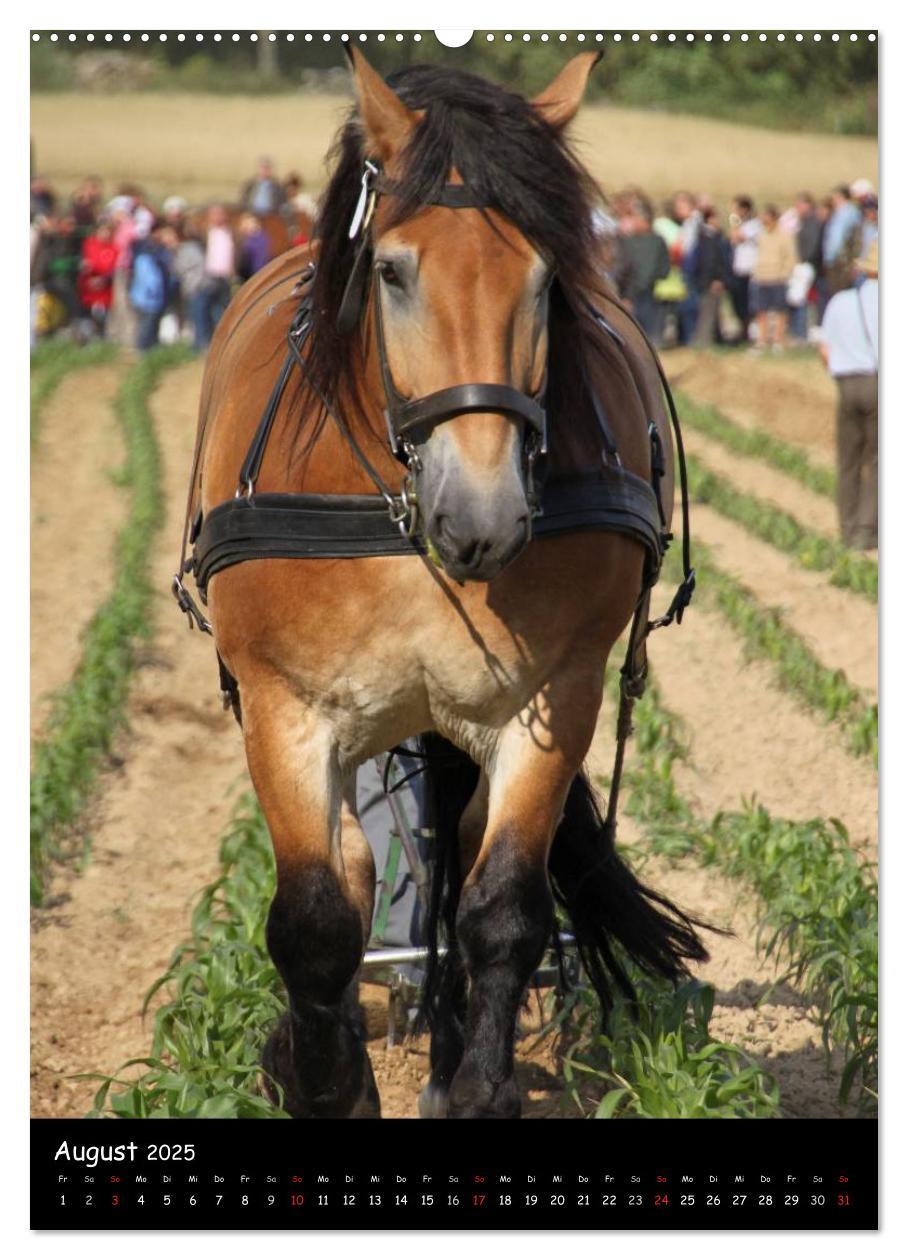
[[841, 241], [688, 218], [189, 273], [870, 226], [824, 214], [86, 203], [151, 284], [776, 259], [121, 318], [62, 263], [95, 283], [744, 229], [850, 348], [219, 273], [672, 290], [713, 277], [255, 248], [809, 245], [649, 262], [263, 194]]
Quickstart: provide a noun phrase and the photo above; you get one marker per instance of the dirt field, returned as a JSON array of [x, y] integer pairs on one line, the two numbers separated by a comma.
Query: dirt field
[[107, 933], [175, 144]]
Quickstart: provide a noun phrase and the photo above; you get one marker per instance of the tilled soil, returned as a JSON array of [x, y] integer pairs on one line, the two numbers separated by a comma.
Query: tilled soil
[[838, 625], [109, 932], [792, 398], [73, 497]]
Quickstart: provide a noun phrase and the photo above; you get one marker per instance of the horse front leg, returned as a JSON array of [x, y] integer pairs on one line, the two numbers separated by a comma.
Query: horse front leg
[[319, 920], [506, 912]]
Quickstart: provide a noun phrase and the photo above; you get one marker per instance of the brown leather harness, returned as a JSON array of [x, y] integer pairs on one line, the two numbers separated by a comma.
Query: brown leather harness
[[309, 526]]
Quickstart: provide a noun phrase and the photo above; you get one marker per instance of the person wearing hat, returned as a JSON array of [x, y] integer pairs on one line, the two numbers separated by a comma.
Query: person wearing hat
[[849, 343]]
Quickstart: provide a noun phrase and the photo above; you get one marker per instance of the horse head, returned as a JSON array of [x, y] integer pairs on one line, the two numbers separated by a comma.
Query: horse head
[[455, 292]]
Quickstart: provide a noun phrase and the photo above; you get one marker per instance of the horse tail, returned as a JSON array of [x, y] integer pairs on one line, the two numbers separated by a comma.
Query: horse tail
[[607, 905], [612, 916]]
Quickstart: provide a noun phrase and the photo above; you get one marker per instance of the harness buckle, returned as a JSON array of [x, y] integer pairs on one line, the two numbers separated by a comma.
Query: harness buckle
[[188, 606], [404, 510]]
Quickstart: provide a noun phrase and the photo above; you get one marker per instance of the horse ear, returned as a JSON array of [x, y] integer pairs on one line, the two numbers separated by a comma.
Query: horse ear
[[561, 99], [387, 121]]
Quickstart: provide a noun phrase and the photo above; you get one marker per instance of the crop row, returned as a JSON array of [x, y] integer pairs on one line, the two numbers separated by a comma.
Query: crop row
[[818, 902], [810, 549], [223, 993], [767, 635], [90, 709], [51, 362]]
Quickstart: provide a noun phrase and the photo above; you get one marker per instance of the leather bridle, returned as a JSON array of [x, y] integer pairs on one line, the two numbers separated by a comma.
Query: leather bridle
[[411, 421]]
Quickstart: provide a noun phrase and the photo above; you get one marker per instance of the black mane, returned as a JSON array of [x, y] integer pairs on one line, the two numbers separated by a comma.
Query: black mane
[[518, 165]]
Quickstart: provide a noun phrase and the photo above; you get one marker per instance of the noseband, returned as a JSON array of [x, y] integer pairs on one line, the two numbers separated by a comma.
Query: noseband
[[411, 421]]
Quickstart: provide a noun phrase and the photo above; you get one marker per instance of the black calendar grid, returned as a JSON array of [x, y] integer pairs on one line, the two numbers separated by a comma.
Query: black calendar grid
[[454, 1175]]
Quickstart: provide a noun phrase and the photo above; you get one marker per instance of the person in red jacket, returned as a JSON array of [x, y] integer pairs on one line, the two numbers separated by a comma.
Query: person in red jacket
[[95, 282]]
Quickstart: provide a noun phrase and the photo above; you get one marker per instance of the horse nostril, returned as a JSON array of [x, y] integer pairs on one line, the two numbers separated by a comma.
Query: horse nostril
[[472, 550]]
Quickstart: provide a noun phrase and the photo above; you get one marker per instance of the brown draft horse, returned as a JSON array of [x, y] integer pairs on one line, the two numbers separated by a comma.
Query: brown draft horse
[[496, 651]]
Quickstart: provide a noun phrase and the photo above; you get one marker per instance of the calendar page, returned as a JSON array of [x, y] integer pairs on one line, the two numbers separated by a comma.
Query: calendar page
[[454, 553]]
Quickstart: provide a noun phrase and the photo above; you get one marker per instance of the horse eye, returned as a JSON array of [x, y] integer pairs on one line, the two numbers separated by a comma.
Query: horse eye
[[390, 274]]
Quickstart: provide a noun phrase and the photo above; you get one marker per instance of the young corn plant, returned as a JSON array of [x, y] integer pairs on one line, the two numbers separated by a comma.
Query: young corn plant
[[658, 1060], [223, 994]]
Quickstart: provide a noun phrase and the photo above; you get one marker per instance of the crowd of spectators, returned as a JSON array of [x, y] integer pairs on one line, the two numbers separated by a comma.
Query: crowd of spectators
[[758, 276], [138, 274], [692, 274]]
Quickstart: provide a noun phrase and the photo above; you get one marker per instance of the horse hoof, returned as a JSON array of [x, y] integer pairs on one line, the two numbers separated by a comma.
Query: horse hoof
[[332, 1102], [277, 1066], [473, 1098], [433, 1102]]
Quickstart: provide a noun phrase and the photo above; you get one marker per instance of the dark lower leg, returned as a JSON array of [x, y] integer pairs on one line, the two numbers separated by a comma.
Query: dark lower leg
[[503, 924], [318, 1053]]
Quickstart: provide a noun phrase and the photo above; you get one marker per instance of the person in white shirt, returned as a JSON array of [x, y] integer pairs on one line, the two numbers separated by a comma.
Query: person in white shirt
[[744, 228], [849, 343]]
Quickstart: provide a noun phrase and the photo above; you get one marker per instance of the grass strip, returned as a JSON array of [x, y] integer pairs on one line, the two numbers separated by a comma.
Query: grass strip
[[756, 444], [224, 992], [766, 635], [52, 361], [818, 902], [812, 551], [88, 711]]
